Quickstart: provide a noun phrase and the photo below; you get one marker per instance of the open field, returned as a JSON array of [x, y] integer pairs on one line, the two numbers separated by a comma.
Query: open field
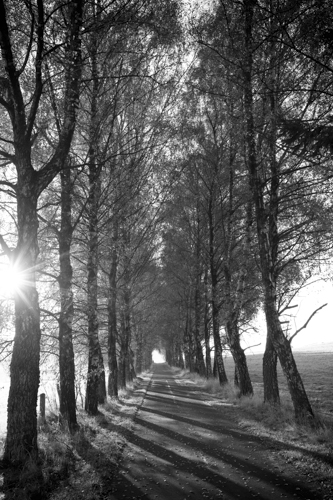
[[316, 371]]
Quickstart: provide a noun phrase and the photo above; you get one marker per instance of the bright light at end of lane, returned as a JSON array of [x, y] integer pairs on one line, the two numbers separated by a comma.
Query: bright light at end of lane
[[158, 357]]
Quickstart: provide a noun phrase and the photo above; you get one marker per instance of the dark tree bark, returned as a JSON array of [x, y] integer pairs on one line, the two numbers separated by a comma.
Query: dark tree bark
[[197, 312], [125, 335], [66, 351], [209, 372], [96, 389], [21, 441], [112, 316], [243, 377], [271, 386], [234, 294], [214, 300], [268, 235]]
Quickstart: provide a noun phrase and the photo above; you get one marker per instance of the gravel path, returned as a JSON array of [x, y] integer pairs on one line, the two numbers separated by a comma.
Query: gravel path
[[182, 448]]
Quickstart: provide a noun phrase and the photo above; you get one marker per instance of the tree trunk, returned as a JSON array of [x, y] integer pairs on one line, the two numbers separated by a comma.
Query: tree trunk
[[21, 441], [214, 302], [243, 376], [209, 372], [66, 351], [271, 386], [199, 353], [96, 390], [302, 407], [219, 354], [124, 345], [95, 394], [112, 318], [139, 347], [268, 236]]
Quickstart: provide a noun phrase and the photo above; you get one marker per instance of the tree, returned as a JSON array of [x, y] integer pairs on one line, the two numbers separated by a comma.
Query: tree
[[21, 98], [267, 223]]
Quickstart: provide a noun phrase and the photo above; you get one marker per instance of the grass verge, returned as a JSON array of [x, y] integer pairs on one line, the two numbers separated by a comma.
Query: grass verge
[[308, 450], [81, 466]]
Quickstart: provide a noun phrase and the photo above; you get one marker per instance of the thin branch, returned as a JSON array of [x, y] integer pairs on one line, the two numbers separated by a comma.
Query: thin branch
[[306, 323], [6, 250], [250, 346], [49, 313], [20, 71], [38, 71]]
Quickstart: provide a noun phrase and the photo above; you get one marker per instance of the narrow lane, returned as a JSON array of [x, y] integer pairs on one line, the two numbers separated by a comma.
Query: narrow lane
[[182, 448]]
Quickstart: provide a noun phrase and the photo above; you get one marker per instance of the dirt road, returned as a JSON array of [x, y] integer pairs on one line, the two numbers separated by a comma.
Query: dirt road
[[182, 448]]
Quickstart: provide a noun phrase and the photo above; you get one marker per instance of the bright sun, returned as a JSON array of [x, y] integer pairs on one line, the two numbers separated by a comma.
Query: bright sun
[[10, 280]]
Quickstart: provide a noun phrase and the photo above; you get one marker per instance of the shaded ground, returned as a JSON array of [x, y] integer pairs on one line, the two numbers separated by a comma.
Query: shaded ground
[[183, 448], [166, 439]]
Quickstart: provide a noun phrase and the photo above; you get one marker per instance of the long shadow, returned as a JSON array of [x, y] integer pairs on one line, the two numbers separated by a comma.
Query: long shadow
[[327, 459], [226, 457], [112, 481], [190, 466], [216, 480]]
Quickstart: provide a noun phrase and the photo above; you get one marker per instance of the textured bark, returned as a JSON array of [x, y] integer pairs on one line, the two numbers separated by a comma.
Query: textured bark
[[234, 290], [96, 390], [21, 441], [66, 351], [139, 348], [214, 302], [112, 317], [243, 377], [190, 340], [271, 386], [219, 354], [198, 346], [209, 372], [302, 407], [125, 337], [95, 394]]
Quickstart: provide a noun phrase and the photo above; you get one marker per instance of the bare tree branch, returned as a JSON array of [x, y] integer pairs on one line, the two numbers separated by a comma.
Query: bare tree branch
[[306, 323]]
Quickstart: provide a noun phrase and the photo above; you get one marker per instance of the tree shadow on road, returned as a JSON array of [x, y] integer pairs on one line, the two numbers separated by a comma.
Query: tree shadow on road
[[228, 417]]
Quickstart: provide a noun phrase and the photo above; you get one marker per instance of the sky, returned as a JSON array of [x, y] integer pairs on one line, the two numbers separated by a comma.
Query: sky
[[318, 335]]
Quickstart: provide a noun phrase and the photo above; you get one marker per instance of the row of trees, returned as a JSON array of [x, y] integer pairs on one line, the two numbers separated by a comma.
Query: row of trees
[[158, 203], [259, 214], [86, 202]]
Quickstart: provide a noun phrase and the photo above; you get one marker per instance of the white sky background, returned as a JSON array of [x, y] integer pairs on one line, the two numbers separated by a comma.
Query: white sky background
[[318, 335]]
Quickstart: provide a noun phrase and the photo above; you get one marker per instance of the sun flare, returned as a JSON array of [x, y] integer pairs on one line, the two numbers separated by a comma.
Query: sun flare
[[10, 280]]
